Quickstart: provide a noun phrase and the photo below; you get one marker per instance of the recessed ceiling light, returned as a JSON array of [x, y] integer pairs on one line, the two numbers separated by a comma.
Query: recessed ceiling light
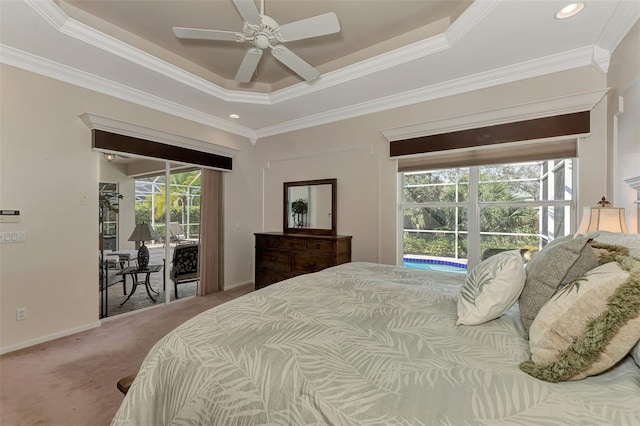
[[569, 10], [234, 116]]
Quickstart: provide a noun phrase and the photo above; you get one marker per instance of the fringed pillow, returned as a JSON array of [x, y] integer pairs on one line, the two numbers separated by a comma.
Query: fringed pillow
[[588, 326]]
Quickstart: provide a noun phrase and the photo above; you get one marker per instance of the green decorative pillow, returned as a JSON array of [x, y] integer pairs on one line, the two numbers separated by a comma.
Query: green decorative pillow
[[587, 327], [491, 288], [559, 263]]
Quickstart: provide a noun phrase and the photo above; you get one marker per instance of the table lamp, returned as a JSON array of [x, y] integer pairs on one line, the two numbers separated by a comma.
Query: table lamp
[[143, 232], [603, 218]]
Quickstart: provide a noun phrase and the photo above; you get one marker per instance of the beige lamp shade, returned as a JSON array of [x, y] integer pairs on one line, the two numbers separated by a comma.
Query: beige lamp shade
[[602, 219], [143, 232]]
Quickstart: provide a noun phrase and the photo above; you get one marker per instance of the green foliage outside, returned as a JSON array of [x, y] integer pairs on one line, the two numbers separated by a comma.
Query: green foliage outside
[[183, 186], [512, 183], [439, 245]]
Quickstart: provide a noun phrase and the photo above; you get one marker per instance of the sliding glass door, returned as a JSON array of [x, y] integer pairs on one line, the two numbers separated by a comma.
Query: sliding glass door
[[133, 201]]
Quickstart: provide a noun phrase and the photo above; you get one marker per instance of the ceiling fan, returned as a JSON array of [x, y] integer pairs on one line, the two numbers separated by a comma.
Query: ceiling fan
[[263, 32]]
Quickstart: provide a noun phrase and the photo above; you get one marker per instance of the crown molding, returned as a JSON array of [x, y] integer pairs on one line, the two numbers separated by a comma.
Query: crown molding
[[559, 62], [601, 58], [57, 71], [554, 63], [57, 18], [513, 113], [622, 20], [473, 15], [587, 56], [97, 122], [624, 17]]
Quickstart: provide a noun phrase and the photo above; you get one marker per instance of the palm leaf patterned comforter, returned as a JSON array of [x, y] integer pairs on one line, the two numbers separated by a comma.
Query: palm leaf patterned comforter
[[361, 344]]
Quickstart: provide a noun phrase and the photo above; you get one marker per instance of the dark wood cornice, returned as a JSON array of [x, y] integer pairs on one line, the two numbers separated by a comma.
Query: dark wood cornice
[[539, 128], [131, 145]]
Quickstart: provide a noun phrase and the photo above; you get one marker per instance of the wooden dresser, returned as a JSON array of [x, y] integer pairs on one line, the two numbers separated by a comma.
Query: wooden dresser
[[280, 256]]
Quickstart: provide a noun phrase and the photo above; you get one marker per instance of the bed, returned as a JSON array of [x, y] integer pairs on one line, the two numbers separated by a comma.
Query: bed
[[362, 343]]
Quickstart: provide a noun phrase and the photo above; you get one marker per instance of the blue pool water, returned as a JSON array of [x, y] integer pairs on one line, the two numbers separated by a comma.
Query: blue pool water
[[435, 265]]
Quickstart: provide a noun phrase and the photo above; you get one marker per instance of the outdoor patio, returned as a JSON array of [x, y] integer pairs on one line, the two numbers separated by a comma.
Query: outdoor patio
[[140, 298]]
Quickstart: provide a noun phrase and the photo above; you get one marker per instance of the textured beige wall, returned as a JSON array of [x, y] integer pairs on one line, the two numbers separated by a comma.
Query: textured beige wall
[[45, 163], [355, 152], [624, 152]]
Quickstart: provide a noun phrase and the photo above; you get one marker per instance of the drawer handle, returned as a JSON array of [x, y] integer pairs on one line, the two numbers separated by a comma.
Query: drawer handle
[[290, 244], [312, 264], [317, 246], [273, 258]]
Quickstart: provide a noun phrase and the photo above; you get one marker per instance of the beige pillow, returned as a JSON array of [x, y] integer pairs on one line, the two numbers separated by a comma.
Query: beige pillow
[[586, 327]]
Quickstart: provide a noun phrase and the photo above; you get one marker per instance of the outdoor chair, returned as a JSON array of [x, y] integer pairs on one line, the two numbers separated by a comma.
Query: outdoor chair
[[177, 234], [185, 265], [109, 261]]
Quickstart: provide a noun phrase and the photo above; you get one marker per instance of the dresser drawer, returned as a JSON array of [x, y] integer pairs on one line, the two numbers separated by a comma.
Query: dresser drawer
[[275, 259], [292, 243], [265, 277], [269, 241], [311, 263], [321, 246]]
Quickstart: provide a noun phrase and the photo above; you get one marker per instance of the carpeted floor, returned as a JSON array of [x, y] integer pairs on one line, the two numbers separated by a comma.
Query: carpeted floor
[[72, 381]]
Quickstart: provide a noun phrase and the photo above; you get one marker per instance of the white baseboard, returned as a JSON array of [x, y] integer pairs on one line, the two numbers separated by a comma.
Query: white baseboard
[[49, 337], [236, 285]]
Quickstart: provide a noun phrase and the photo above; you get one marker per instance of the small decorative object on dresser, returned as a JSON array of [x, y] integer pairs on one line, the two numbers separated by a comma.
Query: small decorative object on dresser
[[280, 256]]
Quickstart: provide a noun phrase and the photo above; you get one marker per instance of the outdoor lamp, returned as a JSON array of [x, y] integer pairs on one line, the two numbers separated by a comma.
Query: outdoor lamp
[[143, 232], [603, 218]]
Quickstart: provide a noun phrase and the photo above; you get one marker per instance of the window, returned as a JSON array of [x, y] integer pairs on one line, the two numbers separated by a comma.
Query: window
[[459, 214], [108, 215]]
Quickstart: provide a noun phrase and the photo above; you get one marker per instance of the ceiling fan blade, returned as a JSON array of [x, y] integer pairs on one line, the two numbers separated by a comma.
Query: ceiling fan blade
[[248, 11], [295, 62], [195, 33], [248, 65], [310, 27]]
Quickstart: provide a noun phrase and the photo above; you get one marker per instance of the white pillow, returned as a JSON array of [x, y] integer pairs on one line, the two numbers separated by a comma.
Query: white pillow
[[491, 288]]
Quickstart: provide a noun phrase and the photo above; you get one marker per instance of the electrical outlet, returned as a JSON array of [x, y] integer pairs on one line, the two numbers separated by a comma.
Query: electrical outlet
[[21, 314], [249, 266]]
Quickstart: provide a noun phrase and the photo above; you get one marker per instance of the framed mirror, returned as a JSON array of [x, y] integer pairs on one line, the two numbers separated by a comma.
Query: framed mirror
[[310, 207]]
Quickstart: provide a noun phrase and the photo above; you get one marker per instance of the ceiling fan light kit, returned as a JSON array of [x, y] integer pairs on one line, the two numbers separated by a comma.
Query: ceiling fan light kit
[[264, 32]]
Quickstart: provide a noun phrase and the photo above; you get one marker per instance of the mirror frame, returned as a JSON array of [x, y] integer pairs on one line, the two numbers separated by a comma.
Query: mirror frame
[[313, 231]]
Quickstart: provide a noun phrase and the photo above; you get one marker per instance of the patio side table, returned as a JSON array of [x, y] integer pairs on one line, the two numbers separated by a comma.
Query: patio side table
[[134, 271]]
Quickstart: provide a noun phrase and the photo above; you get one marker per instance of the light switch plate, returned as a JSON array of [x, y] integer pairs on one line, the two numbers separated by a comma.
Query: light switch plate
[[10, 237]]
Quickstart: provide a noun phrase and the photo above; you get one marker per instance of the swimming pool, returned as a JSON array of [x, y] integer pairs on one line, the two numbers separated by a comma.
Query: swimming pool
[[435, 265]]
